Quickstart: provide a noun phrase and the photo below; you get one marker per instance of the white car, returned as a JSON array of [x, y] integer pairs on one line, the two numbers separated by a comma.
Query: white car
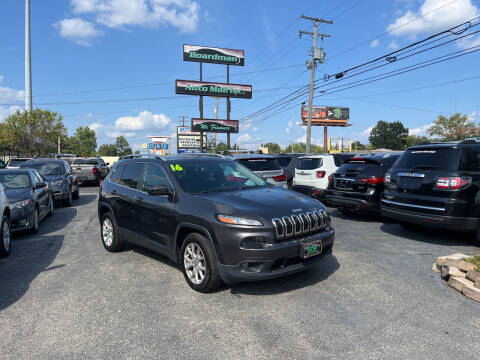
[[312, 172], [5, 235], [264, 166]]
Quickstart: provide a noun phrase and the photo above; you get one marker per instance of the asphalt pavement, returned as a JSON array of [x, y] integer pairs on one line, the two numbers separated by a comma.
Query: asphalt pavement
[[62, 296]]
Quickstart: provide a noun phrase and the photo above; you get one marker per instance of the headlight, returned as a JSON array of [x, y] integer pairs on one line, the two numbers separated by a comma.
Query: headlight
[[57, 183], [227, 219], [20, 204]]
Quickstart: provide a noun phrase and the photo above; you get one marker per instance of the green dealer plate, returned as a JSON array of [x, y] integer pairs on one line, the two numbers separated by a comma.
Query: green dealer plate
[[312, 248]]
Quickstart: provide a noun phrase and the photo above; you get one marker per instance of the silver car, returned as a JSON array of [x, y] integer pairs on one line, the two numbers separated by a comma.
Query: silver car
[[5, 236], [264, 166]]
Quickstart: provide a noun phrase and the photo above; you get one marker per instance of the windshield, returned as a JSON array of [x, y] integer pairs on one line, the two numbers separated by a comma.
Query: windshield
[[429, 159], [16, 162], [85, 162], [46, 168], [309, 163], [260, 164], [208, 176], [14, 181]]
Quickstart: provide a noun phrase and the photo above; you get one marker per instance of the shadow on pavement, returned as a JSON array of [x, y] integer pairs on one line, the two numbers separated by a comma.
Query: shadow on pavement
[[361, 217], [152, 255], [24, 264], [84, 199], [308, 277], [430, 235]]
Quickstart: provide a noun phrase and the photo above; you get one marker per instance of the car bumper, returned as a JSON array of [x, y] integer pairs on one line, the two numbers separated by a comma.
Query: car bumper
[[439, 221], [86, 178], [309, 190], [359, 204], [278, 260], [19, 219]]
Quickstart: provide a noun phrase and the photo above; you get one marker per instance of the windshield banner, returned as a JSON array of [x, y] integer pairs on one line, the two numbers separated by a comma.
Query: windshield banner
[[191, 87], [213, 55], [215, 125]]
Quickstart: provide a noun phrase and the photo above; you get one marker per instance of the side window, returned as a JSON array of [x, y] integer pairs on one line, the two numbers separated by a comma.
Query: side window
[[470, 160], [33, 179], [38, 177], [154, 177], [117, 173], [101, 162], [131, 174]]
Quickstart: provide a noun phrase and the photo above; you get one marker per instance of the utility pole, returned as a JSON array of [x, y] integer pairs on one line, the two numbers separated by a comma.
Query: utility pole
[[28, 60], [317, 55], [215, 134], [183, 119]]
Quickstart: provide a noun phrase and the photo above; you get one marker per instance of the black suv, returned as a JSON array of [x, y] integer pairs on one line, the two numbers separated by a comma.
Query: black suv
[[215, 217], [436, 185], [358, 185]]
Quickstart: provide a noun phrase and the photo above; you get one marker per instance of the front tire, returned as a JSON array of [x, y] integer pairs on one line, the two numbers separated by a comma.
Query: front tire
[[5, 237], [76, 194], [34, 221], [68, 201], [199, 265], [51, 205], [110, 238]]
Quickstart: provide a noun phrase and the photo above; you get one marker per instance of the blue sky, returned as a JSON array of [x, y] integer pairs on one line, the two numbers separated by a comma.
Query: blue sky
[[111, 64]]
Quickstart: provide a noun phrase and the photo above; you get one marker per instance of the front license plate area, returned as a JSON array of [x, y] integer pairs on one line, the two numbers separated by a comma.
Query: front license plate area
[[311, 249]]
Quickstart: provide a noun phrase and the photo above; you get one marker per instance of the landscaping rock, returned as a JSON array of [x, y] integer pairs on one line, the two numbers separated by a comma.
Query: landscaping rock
[[473, 275], [459, 283], [477, 283], [457, 256], [471, 292], [459, 264], [436, 268], [452, 271]]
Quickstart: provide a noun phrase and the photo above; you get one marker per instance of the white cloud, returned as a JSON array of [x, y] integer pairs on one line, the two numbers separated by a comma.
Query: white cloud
[[432, 16], [474, 115], [367, 131], [289, 127], [78, 30], [287, 130], [374, 43], [96, 126], [10, 96], [6, 111], [421, 131], [393, 45], [183, 14], [244, 138], [144, 121]]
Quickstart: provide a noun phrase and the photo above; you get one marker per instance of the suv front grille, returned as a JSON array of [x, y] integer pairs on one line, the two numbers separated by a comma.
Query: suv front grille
[[301, 224]]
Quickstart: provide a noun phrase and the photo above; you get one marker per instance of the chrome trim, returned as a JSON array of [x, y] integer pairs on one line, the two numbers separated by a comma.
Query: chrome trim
[[412, 205], [315, 217], [417, 175], [285, 219], [304, 223], [300, 225], [310, 221], [274, 221]]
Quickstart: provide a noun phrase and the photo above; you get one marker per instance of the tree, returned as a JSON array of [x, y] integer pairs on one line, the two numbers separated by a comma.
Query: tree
[[387, 135], [123, 147], [357, 145], [107, 150], [273, 148], [413, 140], [83, 143], [296, 148], [455, 127], [221, 147], [33, 133]]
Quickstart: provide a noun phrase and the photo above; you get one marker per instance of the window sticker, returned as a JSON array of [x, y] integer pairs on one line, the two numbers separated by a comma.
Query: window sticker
[[176, 167]]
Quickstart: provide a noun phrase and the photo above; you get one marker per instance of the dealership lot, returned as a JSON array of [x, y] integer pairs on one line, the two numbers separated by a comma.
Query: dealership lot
[[63, 296]]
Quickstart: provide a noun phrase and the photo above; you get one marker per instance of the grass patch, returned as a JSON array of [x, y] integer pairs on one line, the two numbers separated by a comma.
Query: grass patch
[[475, 260]]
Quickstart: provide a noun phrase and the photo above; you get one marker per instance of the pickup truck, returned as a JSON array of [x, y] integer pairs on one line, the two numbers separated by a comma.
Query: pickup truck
[[90, 169]]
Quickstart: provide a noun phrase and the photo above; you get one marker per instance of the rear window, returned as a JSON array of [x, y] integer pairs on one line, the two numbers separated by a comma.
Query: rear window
[[85, 162], [309, 163], [17, 162], [429, 159], [283, 161], [340, 159], [260, 164]]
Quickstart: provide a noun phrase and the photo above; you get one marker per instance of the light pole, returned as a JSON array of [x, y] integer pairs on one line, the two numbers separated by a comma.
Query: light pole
[[28, 60]]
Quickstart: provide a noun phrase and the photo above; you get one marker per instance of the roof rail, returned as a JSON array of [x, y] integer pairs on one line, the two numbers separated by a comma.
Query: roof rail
[[203, 154], [472, 140]]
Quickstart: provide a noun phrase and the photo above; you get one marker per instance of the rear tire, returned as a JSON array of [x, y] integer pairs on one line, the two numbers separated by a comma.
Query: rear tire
[[5, 237], [111, 240], [199, 264]]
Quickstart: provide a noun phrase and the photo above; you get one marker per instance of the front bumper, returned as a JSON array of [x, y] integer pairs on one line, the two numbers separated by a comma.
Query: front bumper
[[309, 190], [20, 218], [433, 220], [279, 259]]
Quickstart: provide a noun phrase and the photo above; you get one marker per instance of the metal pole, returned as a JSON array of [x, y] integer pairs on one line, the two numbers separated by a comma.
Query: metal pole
[[201, 113], [228, 106], [325, 139], [310, 90], [215, 134], [28, 60]]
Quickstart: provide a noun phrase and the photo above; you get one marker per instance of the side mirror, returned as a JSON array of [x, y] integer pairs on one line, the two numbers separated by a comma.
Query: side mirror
[[40, 185], [107, 163], [160, 190]]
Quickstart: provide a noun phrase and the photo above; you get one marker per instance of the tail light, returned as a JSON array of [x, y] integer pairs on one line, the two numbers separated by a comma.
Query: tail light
[[101, 182], [372, 180], [321, 174], [330, 177], [95, 171], [282, 177], [388, 179], [452, 183]]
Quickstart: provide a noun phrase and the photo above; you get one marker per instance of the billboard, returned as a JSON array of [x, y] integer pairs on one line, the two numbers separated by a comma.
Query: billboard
[[326, 115], [192, 87], [189, 141], [213, 55], [215, 125]]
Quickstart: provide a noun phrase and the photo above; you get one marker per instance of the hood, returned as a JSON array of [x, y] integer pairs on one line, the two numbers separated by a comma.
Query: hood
[[18, 194], [264, 202], [53, 177]]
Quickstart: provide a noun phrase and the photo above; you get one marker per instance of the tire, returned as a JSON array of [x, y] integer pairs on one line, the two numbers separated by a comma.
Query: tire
[[76, 194], [290, 183], [51, 205], [109, 233], [5, 241], [196, 258], [34, 221], [68, 201]]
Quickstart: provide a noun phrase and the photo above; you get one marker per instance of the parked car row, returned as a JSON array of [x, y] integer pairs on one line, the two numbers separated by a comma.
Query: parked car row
[[28, 194]]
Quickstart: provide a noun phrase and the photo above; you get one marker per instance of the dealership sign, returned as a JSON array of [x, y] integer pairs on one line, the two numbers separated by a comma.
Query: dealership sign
[[188, 139], [191, 87], [326, 115], [213, 55], [214, 125]]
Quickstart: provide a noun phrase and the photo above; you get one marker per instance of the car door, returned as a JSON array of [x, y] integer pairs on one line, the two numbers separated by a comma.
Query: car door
[[155, 213], [41, 194], [126, 195]]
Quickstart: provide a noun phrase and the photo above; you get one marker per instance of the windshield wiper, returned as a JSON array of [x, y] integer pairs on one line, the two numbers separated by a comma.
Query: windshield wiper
[[423, 167]]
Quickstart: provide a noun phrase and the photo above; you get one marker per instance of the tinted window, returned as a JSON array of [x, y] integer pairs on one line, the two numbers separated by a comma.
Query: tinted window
[[283, 161], [470, 160], [131, 175], [17, 162], [85, 162], [429, 158], [154, 177], [309, 163], [117, 173], [14, 181], [260, 164], [46, 168], [339, 159]]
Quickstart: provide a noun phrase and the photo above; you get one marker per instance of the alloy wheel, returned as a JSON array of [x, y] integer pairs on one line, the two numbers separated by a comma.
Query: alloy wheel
[[6, 236], [107, 232], [195, 263]]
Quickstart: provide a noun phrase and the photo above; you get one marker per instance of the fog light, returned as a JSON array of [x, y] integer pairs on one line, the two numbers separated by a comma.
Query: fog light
[[244, 266], [254, 242]]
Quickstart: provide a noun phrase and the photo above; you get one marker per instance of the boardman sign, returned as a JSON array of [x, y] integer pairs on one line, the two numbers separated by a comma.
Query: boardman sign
[[191, 87], [213, 55], [215, 125]]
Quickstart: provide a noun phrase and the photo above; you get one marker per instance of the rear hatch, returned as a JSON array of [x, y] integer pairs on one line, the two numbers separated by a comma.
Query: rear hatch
[[267, 168], [306, 170], [84, 167], [357, 174]]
